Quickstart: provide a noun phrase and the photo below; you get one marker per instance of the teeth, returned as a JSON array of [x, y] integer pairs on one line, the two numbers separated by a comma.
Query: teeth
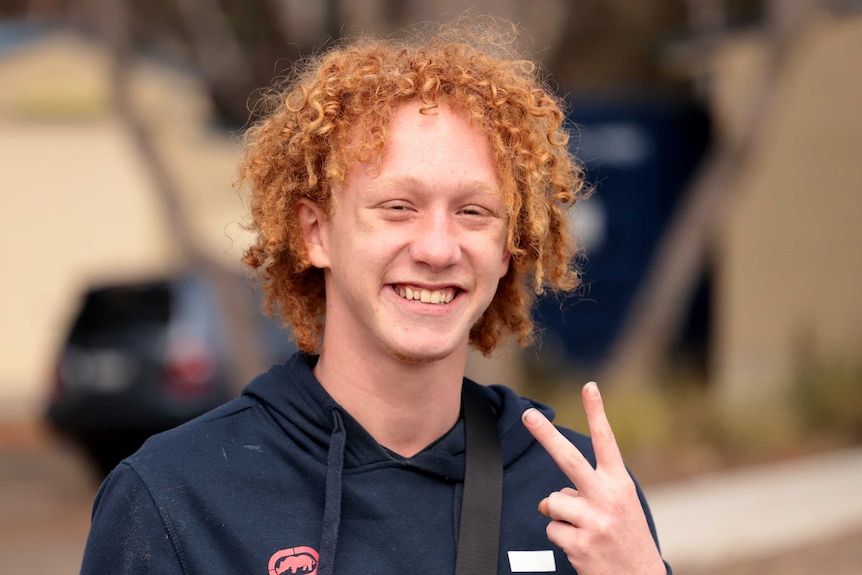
[[425, 295]]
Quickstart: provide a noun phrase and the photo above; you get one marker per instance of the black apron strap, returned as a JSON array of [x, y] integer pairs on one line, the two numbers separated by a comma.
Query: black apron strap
[[479, 531]]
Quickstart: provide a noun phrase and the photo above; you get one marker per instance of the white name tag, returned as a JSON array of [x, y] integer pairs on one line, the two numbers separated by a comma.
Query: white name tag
[[532, 562]]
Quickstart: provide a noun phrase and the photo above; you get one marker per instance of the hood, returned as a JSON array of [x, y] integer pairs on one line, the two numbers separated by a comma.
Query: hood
[[305, 412]]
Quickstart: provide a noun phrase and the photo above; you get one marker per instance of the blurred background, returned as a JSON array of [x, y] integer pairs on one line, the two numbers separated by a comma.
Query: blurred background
[[722, 273]]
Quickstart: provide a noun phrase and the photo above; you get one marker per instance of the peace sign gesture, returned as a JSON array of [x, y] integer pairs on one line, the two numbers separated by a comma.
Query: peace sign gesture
[[601, 525]]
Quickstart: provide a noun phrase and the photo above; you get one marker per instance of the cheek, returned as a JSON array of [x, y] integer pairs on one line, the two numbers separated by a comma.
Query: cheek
[[490, 256], [366, 257]]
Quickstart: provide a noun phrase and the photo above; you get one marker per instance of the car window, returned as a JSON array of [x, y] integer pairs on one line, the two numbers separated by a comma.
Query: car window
[[117, 308]]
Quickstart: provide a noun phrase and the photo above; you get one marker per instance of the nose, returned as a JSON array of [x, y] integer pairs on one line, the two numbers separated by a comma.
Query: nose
[[436, 243]]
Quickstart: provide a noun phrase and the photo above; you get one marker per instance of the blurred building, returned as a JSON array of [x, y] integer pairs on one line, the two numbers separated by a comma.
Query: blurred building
[[788, 265], [78, 205], [774, 209]]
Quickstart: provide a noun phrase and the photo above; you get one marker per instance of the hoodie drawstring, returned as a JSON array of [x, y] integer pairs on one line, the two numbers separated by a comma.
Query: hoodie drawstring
[[332, 497]]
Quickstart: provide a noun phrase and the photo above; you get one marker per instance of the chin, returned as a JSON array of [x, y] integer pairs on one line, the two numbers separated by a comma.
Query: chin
[[420, 356]]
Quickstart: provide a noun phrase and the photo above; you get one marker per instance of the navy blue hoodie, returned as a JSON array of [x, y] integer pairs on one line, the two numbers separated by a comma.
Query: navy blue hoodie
[[283, 480]]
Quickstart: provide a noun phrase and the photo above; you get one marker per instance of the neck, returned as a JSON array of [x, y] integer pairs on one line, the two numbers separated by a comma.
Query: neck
[[405, 406]]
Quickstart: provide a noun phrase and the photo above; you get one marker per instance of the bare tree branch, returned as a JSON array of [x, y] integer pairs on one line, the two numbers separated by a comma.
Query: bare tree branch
[[218, 53], [248, 360]]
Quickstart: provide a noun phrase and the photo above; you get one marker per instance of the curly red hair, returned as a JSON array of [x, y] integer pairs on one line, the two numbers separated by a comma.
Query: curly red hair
[[301, 148]]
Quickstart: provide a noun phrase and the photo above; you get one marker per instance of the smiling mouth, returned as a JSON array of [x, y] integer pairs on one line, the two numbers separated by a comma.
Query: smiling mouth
[[434, 296]]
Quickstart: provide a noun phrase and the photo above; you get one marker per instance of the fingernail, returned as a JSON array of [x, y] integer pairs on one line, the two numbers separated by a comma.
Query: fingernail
[[543, 507], [531, 417], [593, 389]]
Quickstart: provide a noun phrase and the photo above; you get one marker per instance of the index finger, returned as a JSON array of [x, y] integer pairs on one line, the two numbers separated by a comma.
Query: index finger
[[567, 457]]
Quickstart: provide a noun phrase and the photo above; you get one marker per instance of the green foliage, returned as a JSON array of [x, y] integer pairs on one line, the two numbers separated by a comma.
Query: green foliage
[[829, 400]]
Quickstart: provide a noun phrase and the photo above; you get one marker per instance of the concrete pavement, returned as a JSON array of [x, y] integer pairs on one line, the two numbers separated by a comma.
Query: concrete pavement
[[760, 510]]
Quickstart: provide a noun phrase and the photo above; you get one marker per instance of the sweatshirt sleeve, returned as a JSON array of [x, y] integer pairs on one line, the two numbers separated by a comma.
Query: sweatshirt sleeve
[[127, 534]]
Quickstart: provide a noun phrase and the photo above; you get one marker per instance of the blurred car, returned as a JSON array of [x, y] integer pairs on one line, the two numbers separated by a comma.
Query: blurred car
[[141, 358]]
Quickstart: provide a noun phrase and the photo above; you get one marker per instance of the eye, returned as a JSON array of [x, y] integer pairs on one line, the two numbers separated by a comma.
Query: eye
[[396, 209], [477, 211], [396, 206]]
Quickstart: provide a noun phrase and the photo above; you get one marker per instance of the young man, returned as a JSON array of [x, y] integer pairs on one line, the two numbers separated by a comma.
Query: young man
[[408, 199]]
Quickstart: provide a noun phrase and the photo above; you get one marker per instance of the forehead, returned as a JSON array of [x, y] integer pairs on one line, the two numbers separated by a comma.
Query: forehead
[[435, 144]]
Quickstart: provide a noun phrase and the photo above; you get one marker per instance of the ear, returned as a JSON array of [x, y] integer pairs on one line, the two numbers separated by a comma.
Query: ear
[[504, 263], [313, 223], [505, 260]]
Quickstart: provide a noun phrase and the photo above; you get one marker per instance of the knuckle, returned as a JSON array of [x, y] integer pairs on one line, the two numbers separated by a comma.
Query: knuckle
[[575, 557], [574, 459], [603, 528], [553, 532], [555, 503]]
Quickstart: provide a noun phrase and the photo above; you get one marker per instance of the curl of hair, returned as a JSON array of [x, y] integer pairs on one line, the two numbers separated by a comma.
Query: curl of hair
[[306, 142]]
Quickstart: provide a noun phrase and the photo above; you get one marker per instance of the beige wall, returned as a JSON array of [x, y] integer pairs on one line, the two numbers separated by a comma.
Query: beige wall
[[790, 267], [77, 204]]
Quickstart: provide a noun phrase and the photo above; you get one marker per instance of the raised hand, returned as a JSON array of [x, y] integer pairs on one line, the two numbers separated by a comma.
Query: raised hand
[[601, 525]]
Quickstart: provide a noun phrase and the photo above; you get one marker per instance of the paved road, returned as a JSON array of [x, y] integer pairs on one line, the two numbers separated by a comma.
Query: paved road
[[761, 512], [45, 497]]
